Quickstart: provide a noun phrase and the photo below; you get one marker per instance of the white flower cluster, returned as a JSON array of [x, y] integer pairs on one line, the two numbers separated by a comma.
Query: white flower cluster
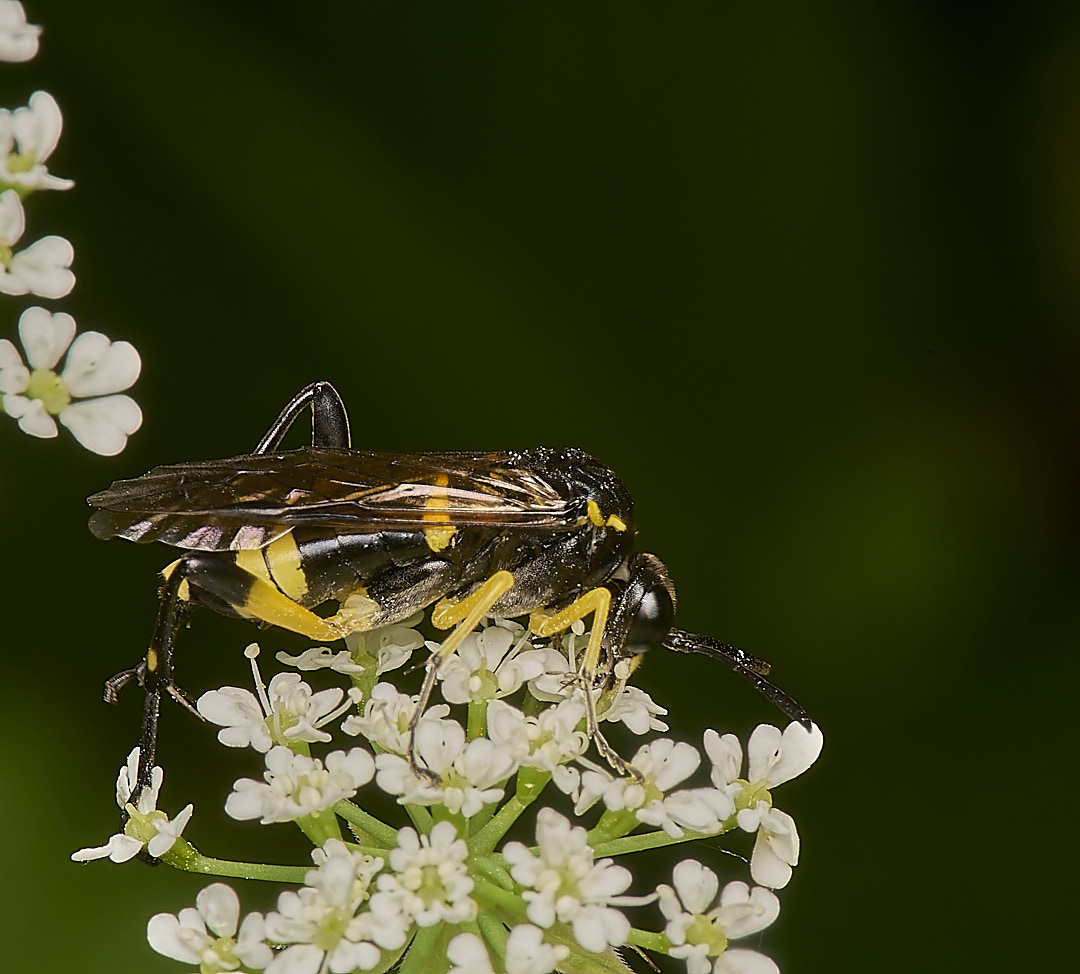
[[449, 889], [83, 396]]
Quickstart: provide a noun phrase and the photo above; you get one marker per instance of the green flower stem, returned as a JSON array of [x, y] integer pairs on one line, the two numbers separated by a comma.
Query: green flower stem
[[184, 856], [320, 827], [388, 960], [421, 818], [493, 868], [481, 818], [580, 960], [486, 839], [649, 940], [612, 825], [477, 720], [649, 840], [384, 835], [495, 934], [423, 953], [492, 895]]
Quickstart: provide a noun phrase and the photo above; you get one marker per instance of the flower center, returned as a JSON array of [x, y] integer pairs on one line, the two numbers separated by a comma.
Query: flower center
[[431, 888], [751, 794], [703, 931], [47, 386], [21, 162], [331, 929]]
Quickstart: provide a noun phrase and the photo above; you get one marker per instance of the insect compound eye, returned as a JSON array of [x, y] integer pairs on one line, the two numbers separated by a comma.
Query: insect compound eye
[[655, 611]]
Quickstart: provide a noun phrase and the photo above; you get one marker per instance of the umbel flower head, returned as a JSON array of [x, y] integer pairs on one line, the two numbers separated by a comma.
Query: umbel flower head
[[83, 395], [445, 889]]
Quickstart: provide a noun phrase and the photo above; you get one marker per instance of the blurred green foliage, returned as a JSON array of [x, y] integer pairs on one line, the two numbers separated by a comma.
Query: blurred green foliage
[[805, 275]]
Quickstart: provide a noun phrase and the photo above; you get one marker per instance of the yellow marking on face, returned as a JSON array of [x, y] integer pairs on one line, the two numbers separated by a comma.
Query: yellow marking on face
[[438, 504], [614, 522]]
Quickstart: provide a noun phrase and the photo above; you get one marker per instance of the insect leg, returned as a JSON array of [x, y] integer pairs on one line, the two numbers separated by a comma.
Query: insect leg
[[154, 673], [329, 420], [467, 615], [597, 601]]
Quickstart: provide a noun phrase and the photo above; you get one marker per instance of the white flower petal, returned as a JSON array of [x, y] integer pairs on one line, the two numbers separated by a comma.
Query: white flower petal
[[744, 962], [37, 127], [696, 885], [96, 366], [12, 217], [14, 376], [31, 416], [43, 267], [220, 908], [468, 955], [163, 933], [744, 911], [103, 425], [18, 39], [45, 336]]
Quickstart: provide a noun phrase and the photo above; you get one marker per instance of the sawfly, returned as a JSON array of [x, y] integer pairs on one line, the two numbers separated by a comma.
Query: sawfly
[[275, 534]]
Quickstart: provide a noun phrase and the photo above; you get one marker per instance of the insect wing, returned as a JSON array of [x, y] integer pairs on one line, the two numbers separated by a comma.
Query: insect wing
[[248, 501]]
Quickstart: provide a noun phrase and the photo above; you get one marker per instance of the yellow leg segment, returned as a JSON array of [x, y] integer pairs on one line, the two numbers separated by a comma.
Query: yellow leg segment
[[469, 611], [597, 601], [467, 614]]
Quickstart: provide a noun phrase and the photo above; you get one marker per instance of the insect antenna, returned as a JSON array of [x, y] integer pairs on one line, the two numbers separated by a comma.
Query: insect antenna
[[743, 663]]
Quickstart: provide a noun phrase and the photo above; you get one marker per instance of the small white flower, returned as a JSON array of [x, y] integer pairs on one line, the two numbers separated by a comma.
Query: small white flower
[[146, 826], [546, 741], [775, 757], [485, 668], [322, 658], [429, 882], [27, 138], [43, 268], [18, 39], [287, 710], [565, 884], [207, 935], [555, 681], [81, 396], [470, 774], [526, 953], [237, 712], [468, 955], [389, 647], [320, 921], [297, 785], [637, 710], [700, 933], [662, 765], [386, 717]]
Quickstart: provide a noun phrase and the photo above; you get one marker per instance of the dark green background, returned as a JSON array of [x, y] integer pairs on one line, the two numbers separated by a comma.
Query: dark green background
[[805, 275]]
